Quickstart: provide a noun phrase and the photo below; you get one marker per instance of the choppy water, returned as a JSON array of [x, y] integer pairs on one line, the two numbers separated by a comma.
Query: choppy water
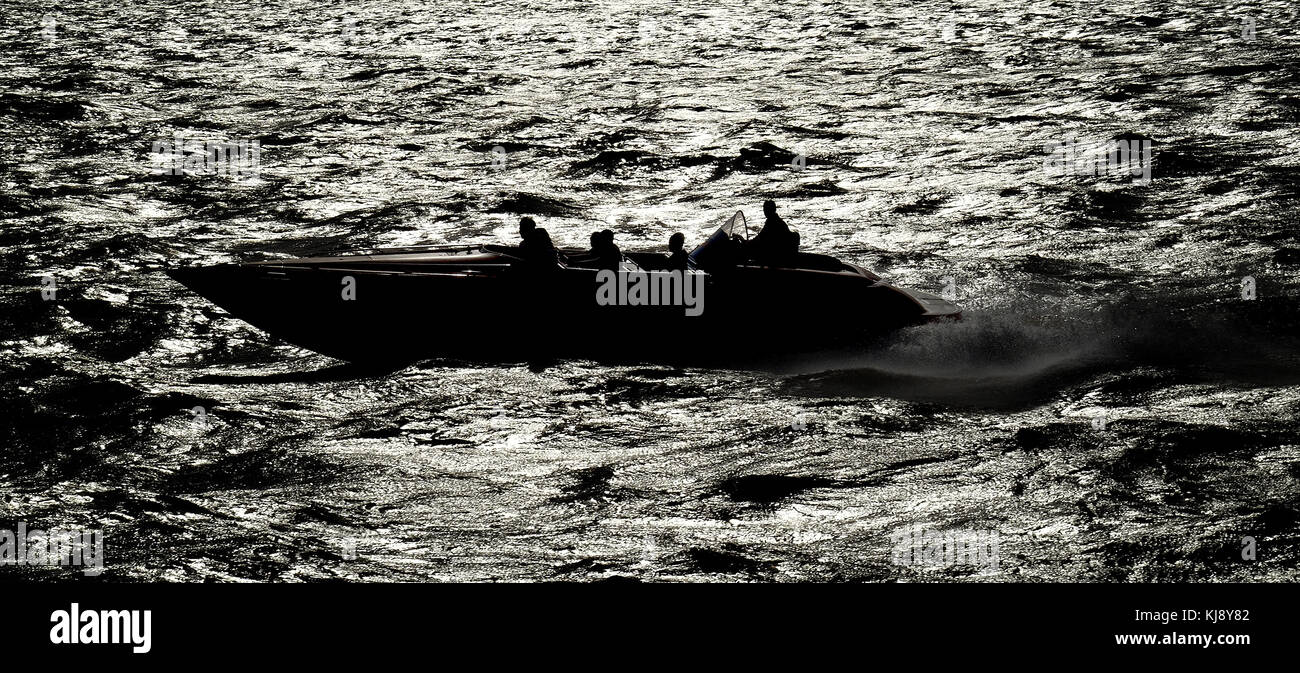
[[1112, 408]]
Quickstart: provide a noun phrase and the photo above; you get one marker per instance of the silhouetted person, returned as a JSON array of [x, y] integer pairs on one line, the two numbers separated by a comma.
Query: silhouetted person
[[588, 259], [527, 226], [541, 253], [535, 248], [775, 243], [677, 252], [608, 256]]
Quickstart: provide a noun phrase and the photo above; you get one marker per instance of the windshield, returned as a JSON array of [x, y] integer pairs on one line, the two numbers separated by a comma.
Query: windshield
[[732, 228]]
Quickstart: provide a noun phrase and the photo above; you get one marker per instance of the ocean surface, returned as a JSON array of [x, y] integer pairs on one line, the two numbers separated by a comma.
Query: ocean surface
[[1120, 402]]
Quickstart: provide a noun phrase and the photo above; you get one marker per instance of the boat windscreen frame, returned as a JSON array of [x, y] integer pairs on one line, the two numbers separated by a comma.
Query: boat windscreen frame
[[727, 230]]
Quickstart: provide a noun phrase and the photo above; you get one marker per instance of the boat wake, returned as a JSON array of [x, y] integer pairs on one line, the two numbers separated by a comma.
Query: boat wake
[[1025, 356]]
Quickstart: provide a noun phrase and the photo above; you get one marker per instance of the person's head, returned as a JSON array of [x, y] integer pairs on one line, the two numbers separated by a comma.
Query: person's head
[[526, 227], [676, 242], [769, 208], [595, 239], [607, 237], [542, 237]]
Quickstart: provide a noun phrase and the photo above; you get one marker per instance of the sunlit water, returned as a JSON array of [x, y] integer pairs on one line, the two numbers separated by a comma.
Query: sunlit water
[[1112, 408]]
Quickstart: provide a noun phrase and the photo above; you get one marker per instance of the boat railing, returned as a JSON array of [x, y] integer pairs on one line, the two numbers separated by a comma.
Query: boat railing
[[393, 250]]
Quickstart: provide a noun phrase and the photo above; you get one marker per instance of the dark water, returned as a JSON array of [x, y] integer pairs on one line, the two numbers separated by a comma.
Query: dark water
[[1112, 408]]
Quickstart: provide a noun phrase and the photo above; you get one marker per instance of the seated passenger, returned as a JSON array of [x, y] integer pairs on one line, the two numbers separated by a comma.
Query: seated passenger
[[589, 259], [677, 258], [527, 227], [540, 253], [608, 256]]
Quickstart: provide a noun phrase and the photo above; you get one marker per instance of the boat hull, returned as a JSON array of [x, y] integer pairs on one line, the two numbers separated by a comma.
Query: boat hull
[[368, 310]]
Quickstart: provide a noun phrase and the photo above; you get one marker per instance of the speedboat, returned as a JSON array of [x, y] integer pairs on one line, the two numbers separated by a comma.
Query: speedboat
[[491, 301]]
